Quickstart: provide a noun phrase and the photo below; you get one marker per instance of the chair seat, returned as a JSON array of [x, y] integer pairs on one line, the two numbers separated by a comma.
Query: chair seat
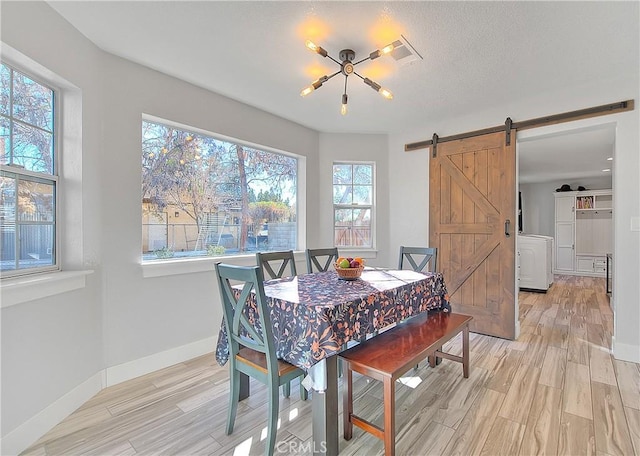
[[258, 361]]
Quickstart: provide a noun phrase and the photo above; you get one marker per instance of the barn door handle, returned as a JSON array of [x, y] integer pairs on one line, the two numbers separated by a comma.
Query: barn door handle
[[507, 224]]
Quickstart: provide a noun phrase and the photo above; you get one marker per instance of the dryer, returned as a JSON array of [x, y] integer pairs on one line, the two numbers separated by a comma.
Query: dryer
[[535, 256]]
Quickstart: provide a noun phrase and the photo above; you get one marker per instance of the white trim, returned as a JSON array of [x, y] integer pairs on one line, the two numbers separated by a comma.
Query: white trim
[[29, 288], [163, 268], [31, 430], [35, 427], [625, 352], [136, 368]]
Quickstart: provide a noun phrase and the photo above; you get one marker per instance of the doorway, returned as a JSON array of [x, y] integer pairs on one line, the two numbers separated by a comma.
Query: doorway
[[575, 155]]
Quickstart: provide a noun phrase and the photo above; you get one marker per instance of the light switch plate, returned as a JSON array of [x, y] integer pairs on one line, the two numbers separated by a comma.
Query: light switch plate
[[635, 223]]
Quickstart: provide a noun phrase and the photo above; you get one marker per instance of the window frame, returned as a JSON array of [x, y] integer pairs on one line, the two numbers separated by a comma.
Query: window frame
[[53, 178], [371, 207], [176, 265]]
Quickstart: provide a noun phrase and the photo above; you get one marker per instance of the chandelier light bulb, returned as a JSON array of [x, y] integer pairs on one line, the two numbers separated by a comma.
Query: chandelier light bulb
[[387, 49], [343, 108], [385, 93], [314, 85], [315, 48], [306, 91]]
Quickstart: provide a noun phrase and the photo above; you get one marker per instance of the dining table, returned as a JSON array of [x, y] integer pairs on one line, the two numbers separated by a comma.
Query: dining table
[[315, 316]]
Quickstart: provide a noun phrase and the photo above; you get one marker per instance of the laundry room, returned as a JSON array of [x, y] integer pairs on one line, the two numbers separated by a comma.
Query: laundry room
[[565, 206]]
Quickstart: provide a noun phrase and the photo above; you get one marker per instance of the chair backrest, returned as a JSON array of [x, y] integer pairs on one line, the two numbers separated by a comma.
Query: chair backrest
[[419, 257], [268, 260], [322, 259], [242, 294]]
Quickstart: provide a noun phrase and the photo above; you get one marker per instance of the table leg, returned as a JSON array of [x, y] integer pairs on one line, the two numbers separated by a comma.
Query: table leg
[[244, 386], [324, 408]]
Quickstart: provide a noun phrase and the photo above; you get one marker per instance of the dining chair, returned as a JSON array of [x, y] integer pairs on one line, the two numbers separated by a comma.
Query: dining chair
[[253, 354], [268, 260], [418, 258], [322, 259]]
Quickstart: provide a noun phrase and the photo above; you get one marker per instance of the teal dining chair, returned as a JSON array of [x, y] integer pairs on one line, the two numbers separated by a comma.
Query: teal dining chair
[[419, 258], [252, 352], [280, 260], [322, 259]]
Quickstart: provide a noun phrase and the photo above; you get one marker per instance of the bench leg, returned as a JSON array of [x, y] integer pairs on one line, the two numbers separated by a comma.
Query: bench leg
[[347, 402], [465, 351], [389, 417]]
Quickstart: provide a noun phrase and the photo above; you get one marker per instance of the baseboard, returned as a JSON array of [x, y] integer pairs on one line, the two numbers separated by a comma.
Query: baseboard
[[35, 427], [136, 368], [625, 352], [30, 431]]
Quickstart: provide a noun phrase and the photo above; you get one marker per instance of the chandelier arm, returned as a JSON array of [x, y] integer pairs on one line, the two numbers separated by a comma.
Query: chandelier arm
[[329, 77], [361, 77], [338, 62], [360, 61]]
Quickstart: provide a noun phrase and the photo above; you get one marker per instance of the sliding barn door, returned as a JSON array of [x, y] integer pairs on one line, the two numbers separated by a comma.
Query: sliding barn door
[[472, 223]]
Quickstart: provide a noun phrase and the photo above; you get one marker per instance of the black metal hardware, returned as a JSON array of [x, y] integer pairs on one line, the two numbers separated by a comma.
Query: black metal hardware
[[434, 142], [507, 225]]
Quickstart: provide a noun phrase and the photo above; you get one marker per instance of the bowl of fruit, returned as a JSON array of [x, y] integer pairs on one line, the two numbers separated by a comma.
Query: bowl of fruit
[[349, 268]]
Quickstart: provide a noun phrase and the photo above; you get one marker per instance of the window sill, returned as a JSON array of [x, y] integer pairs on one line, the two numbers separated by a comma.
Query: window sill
[[161, 268], [29, 288]]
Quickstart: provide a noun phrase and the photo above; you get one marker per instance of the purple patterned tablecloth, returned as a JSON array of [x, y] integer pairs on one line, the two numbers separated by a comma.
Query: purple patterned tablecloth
[[314, 315]]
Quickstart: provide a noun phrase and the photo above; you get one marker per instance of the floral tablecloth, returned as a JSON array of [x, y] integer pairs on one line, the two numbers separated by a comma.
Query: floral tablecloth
[[314, 315]]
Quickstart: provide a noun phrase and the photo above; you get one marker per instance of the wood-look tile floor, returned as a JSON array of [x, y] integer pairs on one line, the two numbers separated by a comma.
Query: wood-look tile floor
[[554, 391]]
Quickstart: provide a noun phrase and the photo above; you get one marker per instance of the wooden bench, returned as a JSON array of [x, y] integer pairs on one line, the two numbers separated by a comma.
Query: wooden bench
[[389, 355]]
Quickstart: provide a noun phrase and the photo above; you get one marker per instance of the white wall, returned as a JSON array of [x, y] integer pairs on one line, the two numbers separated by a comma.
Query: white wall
[[538, 202], [51, 346], [409, 171]]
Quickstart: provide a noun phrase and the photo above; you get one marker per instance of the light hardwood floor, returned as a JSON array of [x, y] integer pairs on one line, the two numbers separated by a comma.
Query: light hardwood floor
[[554, 391]]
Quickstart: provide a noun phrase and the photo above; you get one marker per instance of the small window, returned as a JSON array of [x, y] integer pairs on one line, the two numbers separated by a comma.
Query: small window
[[28, 174], [207, 196], [353, 204]]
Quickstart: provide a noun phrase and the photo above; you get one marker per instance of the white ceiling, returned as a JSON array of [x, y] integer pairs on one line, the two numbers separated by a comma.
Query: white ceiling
[[475, 53], [578, 154]]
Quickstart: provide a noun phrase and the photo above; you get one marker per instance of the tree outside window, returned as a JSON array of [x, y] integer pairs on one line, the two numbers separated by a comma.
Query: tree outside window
[[28, 178], [353, 196], [205, 196]]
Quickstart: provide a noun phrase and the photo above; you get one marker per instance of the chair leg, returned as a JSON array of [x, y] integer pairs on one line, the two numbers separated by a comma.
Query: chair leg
[[272, 426], [286, 389], [234, 396]]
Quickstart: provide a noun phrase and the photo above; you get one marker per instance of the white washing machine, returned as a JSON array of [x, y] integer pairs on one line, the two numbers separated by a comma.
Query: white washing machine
[[535, 256]]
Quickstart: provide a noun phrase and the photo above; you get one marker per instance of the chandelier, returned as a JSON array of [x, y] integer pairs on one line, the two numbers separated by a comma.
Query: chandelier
[[347, 68]]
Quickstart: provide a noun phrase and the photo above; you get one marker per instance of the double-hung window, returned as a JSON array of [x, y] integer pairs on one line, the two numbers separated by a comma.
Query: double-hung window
[[353, 204], [28, 174]]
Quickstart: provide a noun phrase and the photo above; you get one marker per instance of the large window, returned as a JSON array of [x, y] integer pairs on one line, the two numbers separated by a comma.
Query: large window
[[353, 204], [202, 195], [28, 174]]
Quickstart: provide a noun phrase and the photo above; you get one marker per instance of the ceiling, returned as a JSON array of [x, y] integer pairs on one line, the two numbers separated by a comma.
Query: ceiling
[[474, 53]]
